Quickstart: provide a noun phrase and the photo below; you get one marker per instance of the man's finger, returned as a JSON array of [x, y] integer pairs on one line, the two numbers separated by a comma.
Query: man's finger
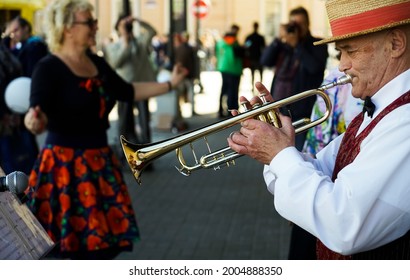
[[244, 103], [263, 91]]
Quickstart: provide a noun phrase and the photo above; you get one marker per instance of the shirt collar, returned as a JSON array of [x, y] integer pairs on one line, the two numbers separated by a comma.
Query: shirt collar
[[391, 91]]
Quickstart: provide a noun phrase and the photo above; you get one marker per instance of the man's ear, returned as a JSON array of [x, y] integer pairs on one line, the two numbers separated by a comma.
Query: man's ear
[[398, 42]]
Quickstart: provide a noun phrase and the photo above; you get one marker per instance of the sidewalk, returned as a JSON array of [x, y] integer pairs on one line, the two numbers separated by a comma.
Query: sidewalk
[[223, 214]]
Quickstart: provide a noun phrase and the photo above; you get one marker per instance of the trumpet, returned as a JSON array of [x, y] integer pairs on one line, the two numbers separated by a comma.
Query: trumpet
[[140, 156]]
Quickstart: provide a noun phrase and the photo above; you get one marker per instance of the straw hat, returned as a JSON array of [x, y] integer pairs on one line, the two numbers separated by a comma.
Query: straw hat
[[351, 18]]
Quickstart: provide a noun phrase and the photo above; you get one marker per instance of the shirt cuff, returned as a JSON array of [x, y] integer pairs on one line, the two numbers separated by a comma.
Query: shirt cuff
[[280, 164], [284, 161]]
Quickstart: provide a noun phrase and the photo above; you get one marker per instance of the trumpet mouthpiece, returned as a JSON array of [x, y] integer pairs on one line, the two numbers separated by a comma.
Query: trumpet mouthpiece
[[345, 79]]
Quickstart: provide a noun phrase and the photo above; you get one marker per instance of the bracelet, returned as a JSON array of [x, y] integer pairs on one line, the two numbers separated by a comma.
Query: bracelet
[[169, 85]]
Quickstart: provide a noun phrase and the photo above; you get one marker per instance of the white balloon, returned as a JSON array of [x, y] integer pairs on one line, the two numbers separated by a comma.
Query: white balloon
[[17, 95]]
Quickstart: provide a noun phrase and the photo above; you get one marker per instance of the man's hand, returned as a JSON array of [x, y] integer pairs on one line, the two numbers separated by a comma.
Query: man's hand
[[261, 140]]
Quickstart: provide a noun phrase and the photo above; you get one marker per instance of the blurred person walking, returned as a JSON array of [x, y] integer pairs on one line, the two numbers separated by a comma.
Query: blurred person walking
[[18, 145], [15, 153], [27, 47], [229, 55], [185, 54], [254, 46], [298, 65], [130, 56], [76, 188]]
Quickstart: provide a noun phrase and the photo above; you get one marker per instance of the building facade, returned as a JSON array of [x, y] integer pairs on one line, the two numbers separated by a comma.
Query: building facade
[[220, 15]]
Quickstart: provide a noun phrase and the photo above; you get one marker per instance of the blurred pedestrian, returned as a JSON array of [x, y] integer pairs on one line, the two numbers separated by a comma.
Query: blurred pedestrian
[[76, 188], [130, 56], [298, 65], [26, 46], [229, 55], [18, 149], [185, 54], [161, 51], [19, 146], [254, 46]]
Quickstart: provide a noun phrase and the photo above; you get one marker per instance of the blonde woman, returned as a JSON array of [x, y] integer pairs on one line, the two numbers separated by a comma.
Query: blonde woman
[[76, 188]]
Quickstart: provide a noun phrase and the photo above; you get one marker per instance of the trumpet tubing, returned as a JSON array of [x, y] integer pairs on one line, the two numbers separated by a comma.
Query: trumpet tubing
[[139, 156]]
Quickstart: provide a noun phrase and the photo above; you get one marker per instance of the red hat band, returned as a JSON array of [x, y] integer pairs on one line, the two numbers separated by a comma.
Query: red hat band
[[370, 19]]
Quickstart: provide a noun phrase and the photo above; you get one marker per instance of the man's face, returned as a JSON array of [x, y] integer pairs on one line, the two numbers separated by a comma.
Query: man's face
[[18, 33], [301, 21], [366, 60]]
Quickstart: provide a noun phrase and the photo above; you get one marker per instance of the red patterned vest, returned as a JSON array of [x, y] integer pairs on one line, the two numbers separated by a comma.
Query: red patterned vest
[[349, 149]]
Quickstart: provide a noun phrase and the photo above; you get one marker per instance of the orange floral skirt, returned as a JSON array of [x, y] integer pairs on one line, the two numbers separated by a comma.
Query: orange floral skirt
[[80, 198]]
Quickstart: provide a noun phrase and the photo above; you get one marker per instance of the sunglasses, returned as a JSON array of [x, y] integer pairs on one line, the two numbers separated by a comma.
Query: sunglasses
[[90, 22]]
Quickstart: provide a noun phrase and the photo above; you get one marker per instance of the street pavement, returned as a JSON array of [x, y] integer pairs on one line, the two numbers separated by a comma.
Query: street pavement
[[211, 214]]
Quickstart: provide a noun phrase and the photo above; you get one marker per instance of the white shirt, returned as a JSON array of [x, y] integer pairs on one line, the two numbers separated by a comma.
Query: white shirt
[[368, 205]]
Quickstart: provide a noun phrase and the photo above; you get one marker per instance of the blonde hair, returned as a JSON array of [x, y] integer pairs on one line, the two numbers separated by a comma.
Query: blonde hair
[[60, 14]]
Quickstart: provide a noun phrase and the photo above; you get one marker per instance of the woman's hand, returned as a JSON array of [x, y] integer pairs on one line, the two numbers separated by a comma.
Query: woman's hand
[[35, 120], [178, 74]]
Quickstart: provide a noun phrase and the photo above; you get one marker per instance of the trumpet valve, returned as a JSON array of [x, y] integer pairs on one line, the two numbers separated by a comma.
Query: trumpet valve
[[274, 118], [262, 96], [260, 117], [244, 105]]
